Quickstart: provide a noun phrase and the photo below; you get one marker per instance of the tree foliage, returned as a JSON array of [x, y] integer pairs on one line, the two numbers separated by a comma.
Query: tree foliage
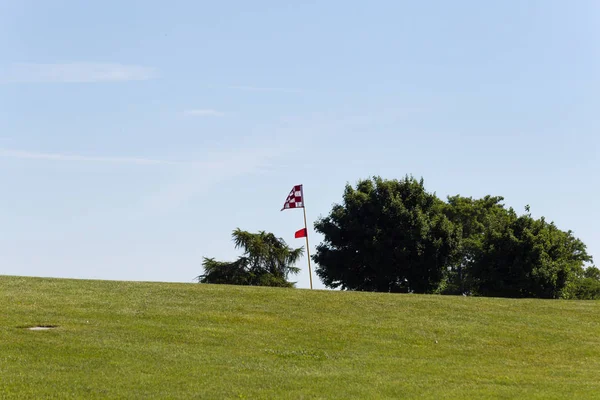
[[506, 255], [592, 272], [387, 236], [473, 218], [266, 261], [527, 257], [587, 285], [394, 236]]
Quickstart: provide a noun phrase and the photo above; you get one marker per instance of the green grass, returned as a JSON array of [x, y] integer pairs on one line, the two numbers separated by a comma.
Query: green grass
[[160, 340]]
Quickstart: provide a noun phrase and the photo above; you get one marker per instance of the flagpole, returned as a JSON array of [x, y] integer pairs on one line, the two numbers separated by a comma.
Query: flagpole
[[306, 229]]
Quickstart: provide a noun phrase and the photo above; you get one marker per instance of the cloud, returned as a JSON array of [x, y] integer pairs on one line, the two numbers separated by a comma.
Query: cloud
[[266, 89], [204, 113], [189, 179], [29, 155], [200, 178], [74, 73]]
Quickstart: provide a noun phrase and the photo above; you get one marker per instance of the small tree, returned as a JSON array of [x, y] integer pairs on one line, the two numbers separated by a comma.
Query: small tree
[[592, 272], [266, 261], [586, 286]]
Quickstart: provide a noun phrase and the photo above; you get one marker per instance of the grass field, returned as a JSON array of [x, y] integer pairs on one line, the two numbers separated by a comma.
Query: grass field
[[161, 340]]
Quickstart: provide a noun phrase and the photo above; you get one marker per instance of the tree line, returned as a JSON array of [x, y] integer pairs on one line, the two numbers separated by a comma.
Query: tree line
[[395, 236]]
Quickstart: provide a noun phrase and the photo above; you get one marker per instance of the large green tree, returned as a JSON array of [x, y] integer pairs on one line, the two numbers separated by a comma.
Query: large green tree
[[506, 255], [473, 217], [266, 261], [387, 236]]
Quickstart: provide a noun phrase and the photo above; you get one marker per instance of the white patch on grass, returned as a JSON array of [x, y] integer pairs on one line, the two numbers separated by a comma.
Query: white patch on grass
[[41, 328]]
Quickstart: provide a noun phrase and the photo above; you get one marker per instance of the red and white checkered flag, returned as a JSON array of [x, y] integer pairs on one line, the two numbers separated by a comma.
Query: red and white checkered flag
[[294, 199]]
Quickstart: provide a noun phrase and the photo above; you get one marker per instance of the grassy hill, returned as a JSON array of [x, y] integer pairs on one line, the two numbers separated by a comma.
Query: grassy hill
[[161, 340]]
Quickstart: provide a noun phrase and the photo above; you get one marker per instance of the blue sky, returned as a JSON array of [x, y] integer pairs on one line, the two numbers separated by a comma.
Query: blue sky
[[136, 135]]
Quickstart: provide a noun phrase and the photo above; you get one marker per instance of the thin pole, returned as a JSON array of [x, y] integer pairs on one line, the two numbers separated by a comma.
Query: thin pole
[[307, 247]]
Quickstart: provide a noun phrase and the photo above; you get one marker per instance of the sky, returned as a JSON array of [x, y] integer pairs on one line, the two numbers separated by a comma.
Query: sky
[[135, 136]]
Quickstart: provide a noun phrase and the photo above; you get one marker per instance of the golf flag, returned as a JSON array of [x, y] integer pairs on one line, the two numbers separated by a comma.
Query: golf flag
[[295, 199], [301, 233]]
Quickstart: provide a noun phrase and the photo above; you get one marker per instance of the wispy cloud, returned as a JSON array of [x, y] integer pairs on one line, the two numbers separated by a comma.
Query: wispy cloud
[[200, 178], [31, 155], [266, 89], [190, 178], [204, 113], [74, 73]]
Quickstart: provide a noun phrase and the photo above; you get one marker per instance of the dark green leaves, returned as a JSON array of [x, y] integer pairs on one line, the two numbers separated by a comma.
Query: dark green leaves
[[388, 236], [394, 236], [267, 261], [506, 255]]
